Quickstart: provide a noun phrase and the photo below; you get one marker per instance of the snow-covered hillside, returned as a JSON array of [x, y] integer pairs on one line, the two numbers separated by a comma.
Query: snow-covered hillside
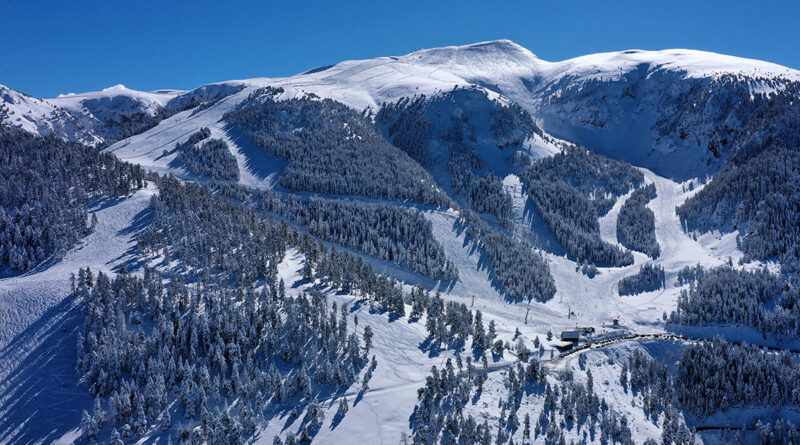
[[669, 104], [470, 123], [41, 117], [104, 116]]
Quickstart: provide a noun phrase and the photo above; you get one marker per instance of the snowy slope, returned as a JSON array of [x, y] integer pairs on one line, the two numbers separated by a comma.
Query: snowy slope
[[657, 109], [117, 98], [257, 168], [668, 104], [622, 104], [41, 117], [40, 396], [108, 115], [117, 111]]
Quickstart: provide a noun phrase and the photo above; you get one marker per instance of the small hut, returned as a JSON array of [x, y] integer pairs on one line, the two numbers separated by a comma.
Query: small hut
[[570, 336]]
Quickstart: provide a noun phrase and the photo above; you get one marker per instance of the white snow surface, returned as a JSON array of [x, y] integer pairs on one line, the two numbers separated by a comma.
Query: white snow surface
[[504, 69], [147, 102], [33, 305], [40, 397]]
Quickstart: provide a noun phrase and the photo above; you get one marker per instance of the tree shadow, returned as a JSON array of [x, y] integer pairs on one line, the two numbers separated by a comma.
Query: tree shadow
[[429, 346], [139, 222], [41, 396], [260, 163], [543, 236]]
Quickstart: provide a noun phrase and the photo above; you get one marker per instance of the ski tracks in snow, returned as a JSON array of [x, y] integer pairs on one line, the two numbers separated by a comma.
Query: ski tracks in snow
[[40, 398]]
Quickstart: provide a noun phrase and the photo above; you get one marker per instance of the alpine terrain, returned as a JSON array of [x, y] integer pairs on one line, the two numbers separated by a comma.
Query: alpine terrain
[[461, 245]]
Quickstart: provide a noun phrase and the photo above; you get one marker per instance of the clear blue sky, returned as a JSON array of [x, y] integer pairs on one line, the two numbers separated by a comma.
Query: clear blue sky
[[52, 47]]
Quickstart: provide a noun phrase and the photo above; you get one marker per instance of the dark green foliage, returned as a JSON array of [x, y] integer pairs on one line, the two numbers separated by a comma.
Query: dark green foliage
[[636, 225], [595, 176], [199, 135], [570, 189], [212, 234], [649, 278], [486, 195], [46, 185], [714, 376], [332, 149], [757, 299], [407, 127], [689, 274], [521, 272], [212, 158], [470, 134], [145, 347], [385, 231], [760, 197], [757, 191]]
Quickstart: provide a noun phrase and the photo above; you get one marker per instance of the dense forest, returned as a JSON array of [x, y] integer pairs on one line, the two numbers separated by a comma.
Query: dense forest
[[758, 299], [332, 149], [227, 356], [570, 190], [470, 131], [715, 376], [388, 232], [212, 158], [211, 235], [649, 278], [46, 188], [757, 191], [636, 224], [654, 383], [520, 271], [597, 177]]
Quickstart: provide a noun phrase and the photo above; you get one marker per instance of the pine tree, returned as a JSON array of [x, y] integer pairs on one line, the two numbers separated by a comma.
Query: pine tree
[[342, 407], [116, 439], [526, 432], [367, 339], [165, 420], [140, 422], [86, 426]]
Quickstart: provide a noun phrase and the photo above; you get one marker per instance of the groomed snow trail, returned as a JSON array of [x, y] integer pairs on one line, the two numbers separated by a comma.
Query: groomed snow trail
[[381, 414], [596, 302], [24, 298], [257, 168], [40, 399]]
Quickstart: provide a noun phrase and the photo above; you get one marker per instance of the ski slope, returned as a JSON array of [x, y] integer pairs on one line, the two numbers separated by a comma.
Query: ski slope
[[381, 414], [587, 99], [40, 397]]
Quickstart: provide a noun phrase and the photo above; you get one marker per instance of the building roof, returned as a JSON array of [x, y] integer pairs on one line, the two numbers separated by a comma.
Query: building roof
[[570, 335]]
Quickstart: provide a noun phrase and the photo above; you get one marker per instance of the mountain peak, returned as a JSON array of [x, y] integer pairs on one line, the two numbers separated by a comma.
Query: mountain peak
[[494, 51], [117, 87], [498, 46]]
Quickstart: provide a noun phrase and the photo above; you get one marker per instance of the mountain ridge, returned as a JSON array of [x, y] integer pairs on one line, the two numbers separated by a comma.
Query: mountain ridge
[[264, 250], [631, 92]]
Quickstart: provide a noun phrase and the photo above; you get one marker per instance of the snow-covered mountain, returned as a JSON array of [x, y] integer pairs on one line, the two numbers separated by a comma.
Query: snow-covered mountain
[[41, 117], [104, 116], [676, 112], [413, 191], [116, 112]]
